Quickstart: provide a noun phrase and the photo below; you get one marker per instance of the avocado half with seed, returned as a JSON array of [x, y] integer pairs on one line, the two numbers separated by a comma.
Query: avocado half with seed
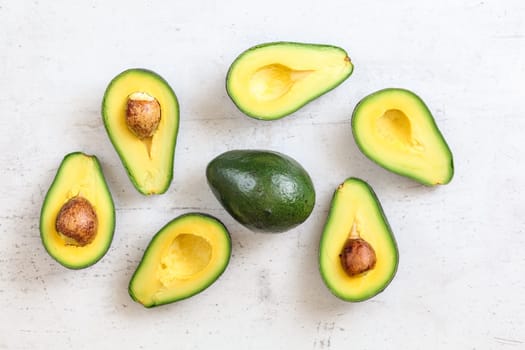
[[185, 257], [77, 219], [141, 116], [358, 254], [394, 128], [270, 81]]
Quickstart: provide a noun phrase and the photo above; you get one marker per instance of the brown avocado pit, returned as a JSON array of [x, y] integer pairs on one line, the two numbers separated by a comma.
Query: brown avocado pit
[[357, 256], [142, 114], [77, 220]]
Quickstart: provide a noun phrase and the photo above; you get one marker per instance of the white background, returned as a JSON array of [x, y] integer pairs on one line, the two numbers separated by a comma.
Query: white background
[[461, 277]]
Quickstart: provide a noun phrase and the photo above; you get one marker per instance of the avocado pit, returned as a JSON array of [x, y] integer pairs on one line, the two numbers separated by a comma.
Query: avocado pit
[[142, 114], [357, 256], [77, 220]]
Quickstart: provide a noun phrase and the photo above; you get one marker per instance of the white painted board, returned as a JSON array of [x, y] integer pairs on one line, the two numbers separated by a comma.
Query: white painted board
[[461, 277]]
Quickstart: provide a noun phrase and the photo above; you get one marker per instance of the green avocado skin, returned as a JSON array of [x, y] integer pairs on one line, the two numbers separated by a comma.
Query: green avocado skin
[[265, 191]]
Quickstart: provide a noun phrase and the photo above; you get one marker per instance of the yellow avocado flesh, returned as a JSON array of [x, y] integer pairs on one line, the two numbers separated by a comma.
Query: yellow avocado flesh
[[78, 175], [394, 128], [356, 208], [273, 80], [184, 258], [149, 162]]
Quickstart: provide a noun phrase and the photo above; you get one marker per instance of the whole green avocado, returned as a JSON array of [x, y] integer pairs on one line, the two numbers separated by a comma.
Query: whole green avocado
[[265, 191]]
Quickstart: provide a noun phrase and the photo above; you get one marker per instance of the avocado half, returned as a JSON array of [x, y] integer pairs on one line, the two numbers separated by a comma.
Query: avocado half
[[265, 191], [394, 128], [149, 160], [356, 213], [185, 257], [272, 80], [79, 176]]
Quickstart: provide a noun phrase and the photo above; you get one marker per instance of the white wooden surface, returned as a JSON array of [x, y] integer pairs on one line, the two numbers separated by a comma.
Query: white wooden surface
[[461, 277]]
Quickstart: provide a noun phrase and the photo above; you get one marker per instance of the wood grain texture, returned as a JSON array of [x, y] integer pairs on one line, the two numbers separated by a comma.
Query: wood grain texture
[[460, 282]]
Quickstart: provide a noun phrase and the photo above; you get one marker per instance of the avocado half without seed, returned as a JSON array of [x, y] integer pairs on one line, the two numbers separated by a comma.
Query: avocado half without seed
[[141, 116], [395, 129], [77, 220], [270, 81], [358, 254], [185, 257]]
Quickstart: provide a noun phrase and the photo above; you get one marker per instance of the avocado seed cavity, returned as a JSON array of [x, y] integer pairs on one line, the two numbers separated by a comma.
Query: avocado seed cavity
[[357, 256], [273, 81], [77, 220], [394, 126], [187, 255], [142, 114]]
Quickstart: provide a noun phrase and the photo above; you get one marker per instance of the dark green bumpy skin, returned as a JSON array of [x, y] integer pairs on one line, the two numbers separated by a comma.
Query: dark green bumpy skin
[[265, 191]]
